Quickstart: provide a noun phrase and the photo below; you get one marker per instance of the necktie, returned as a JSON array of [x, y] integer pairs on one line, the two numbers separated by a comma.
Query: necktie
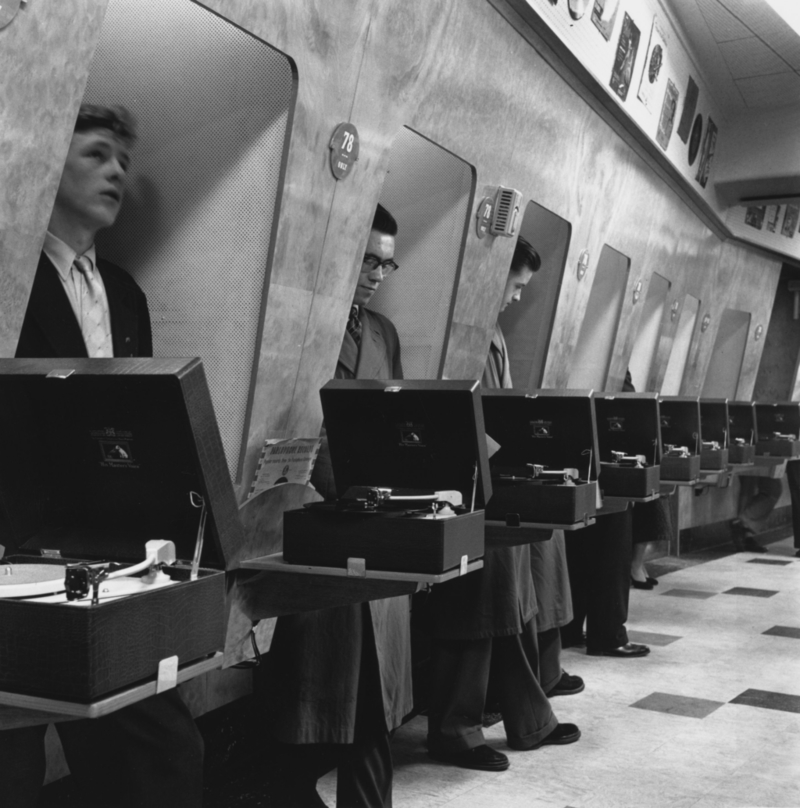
[[354, 325], [92, 321]]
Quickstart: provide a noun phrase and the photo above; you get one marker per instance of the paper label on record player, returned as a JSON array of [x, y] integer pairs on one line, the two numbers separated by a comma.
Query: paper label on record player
[[116, 447], [412, 435], [616, 424], [541, 429]]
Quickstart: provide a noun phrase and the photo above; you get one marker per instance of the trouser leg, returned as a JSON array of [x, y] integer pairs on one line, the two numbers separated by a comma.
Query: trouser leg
[[609, 587], [22, 766], [549, 658], [364, 779], [459, 678], [793, 480], [578, 544], [148, 755], [527, 716], [758, 504]]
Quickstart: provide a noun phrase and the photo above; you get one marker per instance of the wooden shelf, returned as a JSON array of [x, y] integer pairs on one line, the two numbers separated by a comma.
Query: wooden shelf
[[540, 526], [19, 710]]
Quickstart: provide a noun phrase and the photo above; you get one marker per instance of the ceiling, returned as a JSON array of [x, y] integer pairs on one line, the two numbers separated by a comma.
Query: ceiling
[[747, 52]]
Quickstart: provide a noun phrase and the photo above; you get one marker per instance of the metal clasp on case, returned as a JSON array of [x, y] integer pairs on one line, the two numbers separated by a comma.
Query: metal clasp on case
[[60, 373]]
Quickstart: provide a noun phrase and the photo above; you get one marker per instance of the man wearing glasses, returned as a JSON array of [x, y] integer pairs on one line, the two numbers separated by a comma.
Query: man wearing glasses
[[339, 680]]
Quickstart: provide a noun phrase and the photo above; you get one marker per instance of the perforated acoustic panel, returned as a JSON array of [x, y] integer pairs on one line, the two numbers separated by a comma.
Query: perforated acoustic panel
[[213, 107], [428, 190]]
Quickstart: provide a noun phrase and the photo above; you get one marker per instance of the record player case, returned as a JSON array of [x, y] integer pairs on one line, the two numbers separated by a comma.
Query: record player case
[[421, 435], [778, 417], [743, 429], [628, 423], [551, 428], [66, 492], [680, 426], [714, 424]]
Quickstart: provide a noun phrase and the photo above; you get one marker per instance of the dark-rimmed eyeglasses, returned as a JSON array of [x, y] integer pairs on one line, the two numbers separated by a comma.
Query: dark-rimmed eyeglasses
[[373, 262]]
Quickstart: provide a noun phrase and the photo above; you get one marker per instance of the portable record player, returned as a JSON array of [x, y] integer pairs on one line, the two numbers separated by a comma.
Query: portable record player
[[680, 438], [545, 472], [778, 429], [629, 443], [410, 464], [714, 423], [742, 430], [112, 474]]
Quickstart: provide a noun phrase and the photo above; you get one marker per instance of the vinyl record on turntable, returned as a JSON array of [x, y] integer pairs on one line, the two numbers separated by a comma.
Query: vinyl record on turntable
[[30, 580]]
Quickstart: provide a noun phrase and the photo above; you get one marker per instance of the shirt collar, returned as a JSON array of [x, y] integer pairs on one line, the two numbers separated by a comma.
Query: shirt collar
[[63, 256]]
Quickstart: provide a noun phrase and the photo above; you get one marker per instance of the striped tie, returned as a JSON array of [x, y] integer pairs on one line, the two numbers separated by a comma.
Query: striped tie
[[354, 325], [95, 335]]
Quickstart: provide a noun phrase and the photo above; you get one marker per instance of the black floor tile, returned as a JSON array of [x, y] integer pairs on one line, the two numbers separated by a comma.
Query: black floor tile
[[751, 593], [783, 631], [687, 706], [769, 700], [774, 561], [652, 638], [689, 593]]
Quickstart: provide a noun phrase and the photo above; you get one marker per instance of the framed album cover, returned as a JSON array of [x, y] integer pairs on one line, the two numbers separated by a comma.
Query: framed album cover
[[653, 71], [707, 156], [689, 108], [625, 57], [754, 216], [694, 141], [667, 120], [790, 219], [604, 16]]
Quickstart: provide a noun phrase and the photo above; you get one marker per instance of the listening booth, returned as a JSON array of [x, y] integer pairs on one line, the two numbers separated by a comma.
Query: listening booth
[[714, 425], [214, 107], [121, 520], [412, 477], [680, 438], [629, 442], [778, 429], [528, 324], [544, 473], [742, 429], [591, 360], [429, 191]]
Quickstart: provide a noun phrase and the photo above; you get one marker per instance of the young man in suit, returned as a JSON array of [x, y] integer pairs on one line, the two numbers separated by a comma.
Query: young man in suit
[[485, 623], [339, 680], [148, 755]]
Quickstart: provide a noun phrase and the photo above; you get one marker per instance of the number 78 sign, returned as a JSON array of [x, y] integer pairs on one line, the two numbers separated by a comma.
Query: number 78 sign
[[344, 149]]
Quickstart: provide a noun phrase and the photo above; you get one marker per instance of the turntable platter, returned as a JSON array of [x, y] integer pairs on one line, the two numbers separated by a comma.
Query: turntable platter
[[29, 580]]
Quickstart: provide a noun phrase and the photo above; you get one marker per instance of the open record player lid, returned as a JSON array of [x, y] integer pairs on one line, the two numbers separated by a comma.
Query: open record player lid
[[100, 455], [628, 422], [552, 428], [778, 416], [742, 420], [407, 434], [680, 422]]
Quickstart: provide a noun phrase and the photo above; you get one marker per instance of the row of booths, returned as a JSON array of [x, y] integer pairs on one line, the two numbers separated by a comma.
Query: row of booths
[[110, 462]]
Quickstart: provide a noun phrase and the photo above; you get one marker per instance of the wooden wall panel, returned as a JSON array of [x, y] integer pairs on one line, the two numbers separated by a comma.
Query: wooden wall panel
[[44, 62]]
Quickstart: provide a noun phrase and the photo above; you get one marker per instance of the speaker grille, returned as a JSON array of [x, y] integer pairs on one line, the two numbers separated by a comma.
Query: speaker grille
[[213, 106]]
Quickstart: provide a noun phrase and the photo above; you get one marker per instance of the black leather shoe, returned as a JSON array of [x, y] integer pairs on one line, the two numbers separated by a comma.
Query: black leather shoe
[[567, 686], [653, 581], [630, 649], [483, 758], [561, 735], [752, 546], [641, 584]]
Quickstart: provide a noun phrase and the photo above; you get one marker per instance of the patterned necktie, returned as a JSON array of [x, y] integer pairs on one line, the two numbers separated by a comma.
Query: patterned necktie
[[354, 325], [95, 335]]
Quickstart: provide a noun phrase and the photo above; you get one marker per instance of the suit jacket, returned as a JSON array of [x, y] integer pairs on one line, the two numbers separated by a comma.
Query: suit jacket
[[316, 667], [51, 330]]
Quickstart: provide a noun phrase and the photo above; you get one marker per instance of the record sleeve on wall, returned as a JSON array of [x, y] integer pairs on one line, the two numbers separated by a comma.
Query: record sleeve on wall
[[754, 216], [790, 219], [668, 110], [694, 141], [604, 16], [689, 107], [707, 156], [772, 216], [625, 57], [652, 73]]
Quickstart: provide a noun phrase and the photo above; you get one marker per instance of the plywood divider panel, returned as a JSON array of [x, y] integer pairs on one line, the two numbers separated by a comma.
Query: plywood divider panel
[[44, 61]]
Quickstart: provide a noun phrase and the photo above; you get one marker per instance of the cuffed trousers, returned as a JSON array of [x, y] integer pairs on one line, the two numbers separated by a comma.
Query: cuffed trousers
[[460, 671], [599, 561]]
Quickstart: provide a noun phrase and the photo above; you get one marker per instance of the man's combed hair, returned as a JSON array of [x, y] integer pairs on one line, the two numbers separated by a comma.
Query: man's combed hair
[[525, 256], [116, 119], [384, 222]]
